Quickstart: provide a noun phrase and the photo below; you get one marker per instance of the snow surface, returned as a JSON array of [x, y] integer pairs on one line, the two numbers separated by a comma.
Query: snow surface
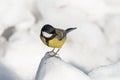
[[7, 74], [93, 49], [111, 72], [54, 68]]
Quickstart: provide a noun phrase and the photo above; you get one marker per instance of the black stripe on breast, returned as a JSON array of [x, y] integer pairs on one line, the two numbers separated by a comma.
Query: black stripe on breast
[[48, 39]]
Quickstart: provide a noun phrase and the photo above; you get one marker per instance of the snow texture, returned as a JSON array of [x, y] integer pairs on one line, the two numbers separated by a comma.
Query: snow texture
[[111, 72], [54, 68], [7, 74]]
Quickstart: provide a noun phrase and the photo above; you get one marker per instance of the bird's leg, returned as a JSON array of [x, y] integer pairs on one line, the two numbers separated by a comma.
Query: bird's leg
[[53, 50], [56, 52], [53, 53]]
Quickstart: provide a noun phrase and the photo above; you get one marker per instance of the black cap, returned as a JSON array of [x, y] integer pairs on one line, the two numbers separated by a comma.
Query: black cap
[[48, 28]]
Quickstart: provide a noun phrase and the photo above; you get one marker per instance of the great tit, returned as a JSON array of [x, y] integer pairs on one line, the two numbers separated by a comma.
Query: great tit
[[54, 37]]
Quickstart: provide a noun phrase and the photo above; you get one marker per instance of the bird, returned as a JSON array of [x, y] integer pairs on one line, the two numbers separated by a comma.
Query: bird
[[54, 37]]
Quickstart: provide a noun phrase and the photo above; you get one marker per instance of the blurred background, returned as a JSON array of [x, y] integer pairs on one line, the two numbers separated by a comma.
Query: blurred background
[[95, 43]]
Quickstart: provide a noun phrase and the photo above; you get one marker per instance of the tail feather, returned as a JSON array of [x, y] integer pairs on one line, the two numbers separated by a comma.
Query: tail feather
[[70, 29]]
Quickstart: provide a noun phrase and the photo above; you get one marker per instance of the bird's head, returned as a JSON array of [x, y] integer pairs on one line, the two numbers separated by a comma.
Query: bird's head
[[47, 31]]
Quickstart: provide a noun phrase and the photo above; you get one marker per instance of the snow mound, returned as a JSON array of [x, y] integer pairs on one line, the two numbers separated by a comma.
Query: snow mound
[[54, 68], [111, 72], [15, 13], [66, 10], [7, 74], [23, 54]]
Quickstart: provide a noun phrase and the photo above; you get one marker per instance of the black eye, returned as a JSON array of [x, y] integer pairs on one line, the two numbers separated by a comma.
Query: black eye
[[48, 28]]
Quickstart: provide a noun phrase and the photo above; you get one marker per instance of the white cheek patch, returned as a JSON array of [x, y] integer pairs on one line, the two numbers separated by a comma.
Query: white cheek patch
[[47, 35]]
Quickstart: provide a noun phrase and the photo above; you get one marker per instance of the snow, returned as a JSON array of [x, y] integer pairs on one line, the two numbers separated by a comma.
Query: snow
[[7, 74], [63, 9], [110, 72], [21, 60], [112, 29], [15, 13], [92, 50], [3, 46], [54, 68]]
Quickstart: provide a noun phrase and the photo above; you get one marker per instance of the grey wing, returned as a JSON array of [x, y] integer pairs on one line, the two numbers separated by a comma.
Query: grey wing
[[60, 34]]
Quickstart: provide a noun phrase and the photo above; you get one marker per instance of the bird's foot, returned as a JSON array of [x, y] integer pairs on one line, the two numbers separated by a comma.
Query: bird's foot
[[53, 53]]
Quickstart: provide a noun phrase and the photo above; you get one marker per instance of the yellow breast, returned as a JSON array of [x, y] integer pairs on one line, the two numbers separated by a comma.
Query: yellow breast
[[55, 43]]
